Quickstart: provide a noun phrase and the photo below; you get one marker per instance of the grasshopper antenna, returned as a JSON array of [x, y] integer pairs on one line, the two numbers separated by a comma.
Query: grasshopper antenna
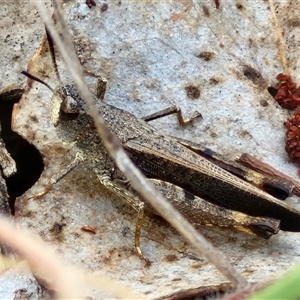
[[52, 53], [37, 79], [67, 104]]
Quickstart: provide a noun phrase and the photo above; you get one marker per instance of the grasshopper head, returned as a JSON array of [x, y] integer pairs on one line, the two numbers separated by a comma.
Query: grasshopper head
[[70, 103], [65, 101]]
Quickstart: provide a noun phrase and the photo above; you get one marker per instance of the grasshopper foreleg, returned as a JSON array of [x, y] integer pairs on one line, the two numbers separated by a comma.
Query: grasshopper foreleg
[[54, 179]]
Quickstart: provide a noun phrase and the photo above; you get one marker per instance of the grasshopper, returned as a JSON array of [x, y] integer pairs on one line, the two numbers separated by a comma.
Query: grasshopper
[[202, 191]]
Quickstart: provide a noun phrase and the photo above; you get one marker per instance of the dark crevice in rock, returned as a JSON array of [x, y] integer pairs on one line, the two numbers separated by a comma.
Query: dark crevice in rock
[[272, 91], [28, 159]]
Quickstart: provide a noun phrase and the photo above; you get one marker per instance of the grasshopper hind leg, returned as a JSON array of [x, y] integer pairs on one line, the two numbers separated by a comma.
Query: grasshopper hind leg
[[173, 110], [201, 212]]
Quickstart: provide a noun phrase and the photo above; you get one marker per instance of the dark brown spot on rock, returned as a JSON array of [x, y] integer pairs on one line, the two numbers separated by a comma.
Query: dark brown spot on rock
[[90, 3], [192, 92], [206, 55], [31, 136], [213, 81], [206, 11], [29, 84], [171, 258], [264, 103], [217, 3], [125, 231], [34, 119], [239, 6], [252, 74], [244, 133], [104, 7], [176, 279], [293, 22], [57, 231]]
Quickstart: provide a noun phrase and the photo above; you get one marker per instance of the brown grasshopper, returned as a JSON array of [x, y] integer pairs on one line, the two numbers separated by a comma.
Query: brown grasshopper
[[183, 176]]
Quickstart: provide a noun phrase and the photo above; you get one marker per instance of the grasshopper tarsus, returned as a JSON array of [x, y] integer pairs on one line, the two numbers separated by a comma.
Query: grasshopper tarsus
[[185, 122], [173, 110], [137, 236]]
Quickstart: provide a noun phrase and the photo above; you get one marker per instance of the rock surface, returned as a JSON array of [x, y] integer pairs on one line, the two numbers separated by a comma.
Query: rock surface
[[156, 54]]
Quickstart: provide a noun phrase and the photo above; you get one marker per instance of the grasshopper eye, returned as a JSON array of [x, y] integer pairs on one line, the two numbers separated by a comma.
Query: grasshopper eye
[[70, 99], [69, 105]]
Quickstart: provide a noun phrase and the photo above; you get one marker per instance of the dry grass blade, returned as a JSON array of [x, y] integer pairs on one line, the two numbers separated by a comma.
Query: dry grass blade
[[40, 258], [52, 270], [136, 178], [280, 40]]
